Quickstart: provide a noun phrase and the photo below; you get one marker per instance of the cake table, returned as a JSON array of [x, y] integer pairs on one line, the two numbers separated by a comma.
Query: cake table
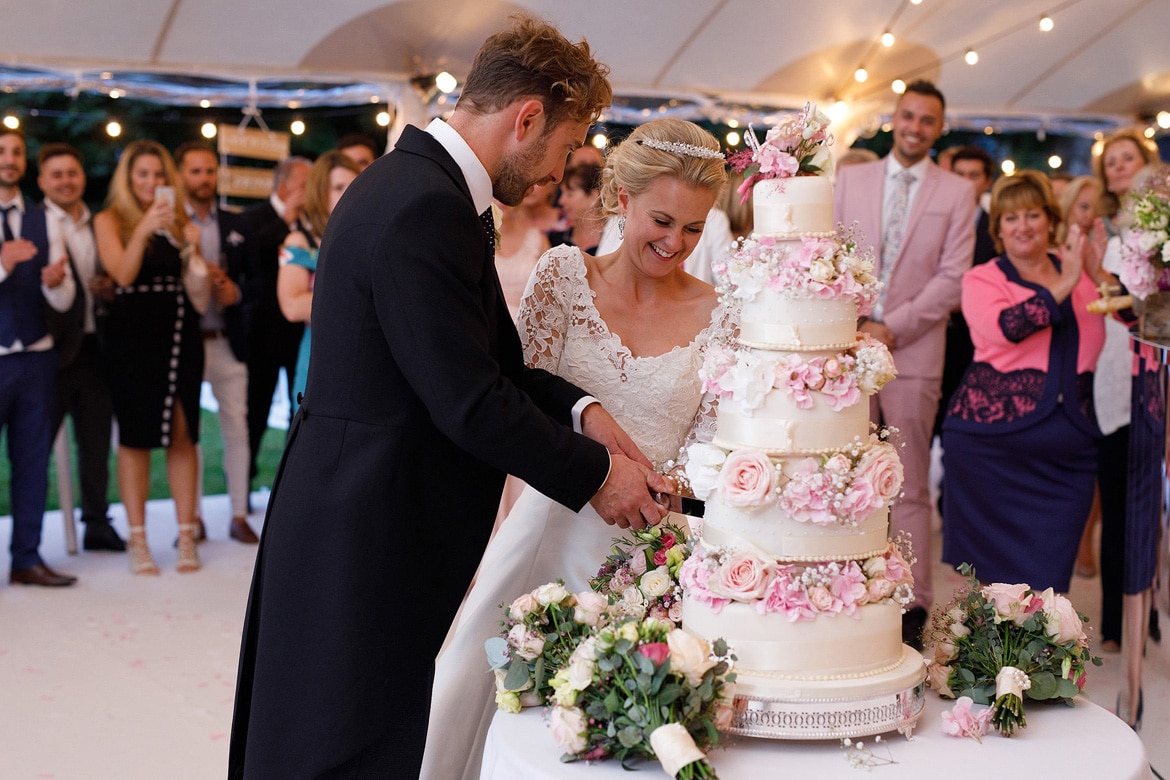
[[1085, 741]]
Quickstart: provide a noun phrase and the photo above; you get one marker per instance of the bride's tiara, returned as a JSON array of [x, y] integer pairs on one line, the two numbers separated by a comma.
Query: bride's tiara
[[687, 150]]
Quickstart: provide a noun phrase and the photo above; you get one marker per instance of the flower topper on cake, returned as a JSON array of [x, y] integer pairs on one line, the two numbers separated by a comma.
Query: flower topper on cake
[[1145, 253], [798, 146]]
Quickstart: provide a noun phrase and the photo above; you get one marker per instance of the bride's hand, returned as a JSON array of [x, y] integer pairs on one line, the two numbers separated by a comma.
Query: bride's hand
[[626, 499], [599, 425]]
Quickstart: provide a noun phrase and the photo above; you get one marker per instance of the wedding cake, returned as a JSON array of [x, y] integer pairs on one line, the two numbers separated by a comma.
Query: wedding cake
[[794, 568]]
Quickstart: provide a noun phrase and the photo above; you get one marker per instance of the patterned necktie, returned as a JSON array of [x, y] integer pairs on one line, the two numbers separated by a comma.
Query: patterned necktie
[[892, 236], [489, 228], [8, 234]]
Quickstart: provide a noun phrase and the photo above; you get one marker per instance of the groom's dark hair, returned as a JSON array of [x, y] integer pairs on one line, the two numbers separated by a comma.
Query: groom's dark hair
[[532, 59]]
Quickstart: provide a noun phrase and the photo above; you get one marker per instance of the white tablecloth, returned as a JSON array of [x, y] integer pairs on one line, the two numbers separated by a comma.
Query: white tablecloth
[[1060, 743]]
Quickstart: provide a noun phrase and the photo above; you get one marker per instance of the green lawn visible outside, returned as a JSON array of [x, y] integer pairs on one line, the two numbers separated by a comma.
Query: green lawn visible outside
[[213, 481]]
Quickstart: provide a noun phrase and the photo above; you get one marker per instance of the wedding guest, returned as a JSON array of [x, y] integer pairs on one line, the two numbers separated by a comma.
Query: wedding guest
[[152, 351], [30, 278], [81, 388], [224, 241], [905, 196], [1123, 154], [273, 341], [328, 178], [1020, 437], [418, 403], [360, 148], [580, 202], [631, 328], [522, 242]]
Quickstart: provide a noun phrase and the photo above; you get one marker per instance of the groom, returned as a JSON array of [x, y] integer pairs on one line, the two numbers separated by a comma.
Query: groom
[[418, 403]]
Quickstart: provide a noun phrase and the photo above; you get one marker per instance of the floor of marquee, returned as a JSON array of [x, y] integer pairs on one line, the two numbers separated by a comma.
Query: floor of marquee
[[134, 676]]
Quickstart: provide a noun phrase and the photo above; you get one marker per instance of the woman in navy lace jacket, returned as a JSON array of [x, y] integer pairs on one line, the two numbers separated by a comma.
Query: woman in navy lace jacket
[[1020, 436]]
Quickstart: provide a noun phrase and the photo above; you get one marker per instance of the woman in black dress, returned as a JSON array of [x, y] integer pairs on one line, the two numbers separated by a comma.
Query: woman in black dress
[[153, 346]]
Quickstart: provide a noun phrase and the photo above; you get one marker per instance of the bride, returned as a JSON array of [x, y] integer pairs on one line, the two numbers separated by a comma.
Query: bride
[[630, 328]]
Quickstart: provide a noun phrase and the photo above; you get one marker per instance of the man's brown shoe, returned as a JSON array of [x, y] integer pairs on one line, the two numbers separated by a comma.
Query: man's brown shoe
[[40, 575], [242, 532]]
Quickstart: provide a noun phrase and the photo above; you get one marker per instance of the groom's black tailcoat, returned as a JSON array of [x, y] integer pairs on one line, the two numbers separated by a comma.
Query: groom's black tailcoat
[[418, 403]]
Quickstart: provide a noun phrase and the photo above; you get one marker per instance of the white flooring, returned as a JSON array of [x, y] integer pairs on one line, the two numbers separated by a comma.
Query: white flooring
[[133, 677]]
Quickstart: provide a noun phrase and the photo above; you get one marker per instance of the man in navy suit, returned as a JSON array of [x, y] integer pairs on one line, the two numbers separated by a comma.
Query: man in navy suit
[[28, 362], [225, 241], [417, 405]]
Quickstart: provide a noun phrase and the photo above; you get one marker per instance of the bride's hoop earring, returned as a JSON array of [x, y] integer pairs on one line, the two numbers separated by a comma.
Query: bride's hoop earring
[[621, 227]]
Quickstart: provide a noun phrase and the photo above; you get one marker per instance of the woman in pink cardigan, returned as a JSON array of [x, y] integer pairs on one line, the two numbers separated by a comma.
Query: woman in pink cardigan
[[1020, 436]]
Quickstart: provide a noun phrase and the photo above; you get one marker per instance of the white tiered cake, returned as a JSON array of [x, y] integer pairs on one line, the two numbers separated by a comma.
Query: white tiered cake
[[794, 568]]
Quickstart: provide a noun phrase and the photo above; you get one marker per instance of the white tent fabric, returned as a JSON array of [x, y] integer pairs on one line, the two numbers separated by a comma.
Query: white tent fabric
[[1104, 61]]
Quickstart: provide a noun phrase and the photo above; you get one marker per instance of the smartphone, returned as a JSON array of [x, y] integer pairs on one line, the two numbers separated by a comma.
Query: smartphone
[[166, 194]]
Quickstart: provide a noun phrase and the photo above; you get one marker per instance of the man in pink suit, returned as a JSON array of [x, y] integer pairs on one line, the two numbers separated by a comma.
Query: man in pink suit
[[920, 222]]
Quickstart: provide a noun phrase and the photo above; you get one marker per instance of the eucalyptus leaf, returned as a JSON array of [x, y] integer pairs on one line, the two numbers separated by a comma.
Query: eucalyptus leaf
[[497, 652], [517, 677]]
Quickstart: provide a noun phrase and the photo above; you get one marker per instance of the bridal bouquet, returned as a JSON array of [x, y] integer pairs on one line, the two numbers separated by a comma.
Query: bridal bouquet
[[640, 574], [1145, 252], [999, 644], [798, 146], [644, 689], [541, 630]]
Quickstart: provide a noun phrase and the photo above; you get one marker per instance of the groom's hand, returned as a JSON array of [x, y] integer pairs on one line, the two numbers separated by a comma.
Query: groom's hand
[[599, 425], [625, 499]]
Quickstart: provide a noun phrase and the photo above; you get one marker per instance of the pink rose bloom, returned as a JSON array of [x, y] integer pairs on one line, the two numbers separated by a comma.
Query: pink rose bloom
[[1063, 623], [568, 726], [747, 479], [881, 468], [657, 652], [522, 606], [742, 577], [526, 644], [822, 600], [659, 557], [880, 589], [832, 368], [694, 577], [962, 722], [668, 540], [638, 564], [937, 676], [1010, 601], [590, 607]]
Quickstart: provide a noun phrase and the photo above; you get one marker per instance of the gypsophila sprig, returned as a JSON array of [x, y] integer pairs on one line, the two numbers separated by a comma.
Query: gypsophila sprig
[[861, 756], [640, 575], [797, 146], [1000, 644], [644, 689], [1145, 252], [540, 631]]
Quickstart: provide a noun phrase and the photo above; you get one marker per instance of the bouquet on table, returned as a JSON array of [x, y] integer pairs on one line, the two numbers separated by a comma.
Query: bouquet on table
[[999, 644], [644, 689], [640, 575], [541, 630], [1145, 252]]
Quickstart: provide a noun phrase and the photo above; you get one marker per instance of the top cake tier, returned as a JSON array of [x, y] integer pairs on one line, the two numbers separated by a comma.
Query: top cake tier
[[793, 206]]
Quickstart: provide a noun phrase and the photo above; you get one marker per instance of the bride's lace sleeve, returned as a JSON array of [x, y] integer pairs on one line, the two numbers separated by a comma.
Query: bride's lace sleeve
[[543, 318], [724, 328]]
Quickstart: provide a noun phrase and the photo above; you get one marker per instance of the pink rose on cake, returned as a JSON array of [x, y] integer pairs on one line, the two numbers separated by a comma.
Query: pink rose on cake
[[742, 576], [881, 468], [747, 479]]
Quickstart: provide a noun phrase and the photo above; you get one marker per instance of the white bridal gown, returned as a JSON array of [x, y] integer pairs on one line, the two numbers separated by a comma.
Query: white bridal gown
[[659, 402]]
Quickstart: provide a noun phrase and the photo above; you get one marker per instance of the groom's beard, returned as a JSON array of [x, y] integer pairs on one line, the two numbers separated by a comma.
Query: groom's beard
[[516, 172]]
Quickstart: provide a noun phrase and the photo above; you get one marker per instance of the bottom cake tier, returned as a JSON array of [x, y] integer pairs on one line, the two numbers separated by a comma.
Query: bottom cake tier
[[831, 709]]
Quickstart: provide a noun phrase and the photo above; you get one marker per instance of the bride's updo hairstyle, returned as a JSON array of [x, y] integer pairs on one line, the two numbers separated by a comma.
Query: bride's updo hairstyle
[[663, 147]]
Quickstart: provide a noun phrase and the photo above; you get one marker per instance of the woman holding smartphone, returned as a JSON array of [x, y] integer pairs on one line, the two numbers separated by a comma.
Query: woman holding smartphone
[[152, 348]]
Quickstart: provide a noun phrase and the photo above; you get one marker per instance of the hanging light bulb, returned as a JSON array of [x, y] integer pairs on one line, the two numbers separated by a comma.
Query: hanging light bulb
[[600, 140], [383, 118], [1008, 167], [205, 103], [1055, 161], [860, 75], [209, 130], [12, 122], [113, 128], [887, 39], [297, 127], [733, 138], [838, 111], [1046, 23], [971, 56], [446, 83], [898, 86], [1163, 120]]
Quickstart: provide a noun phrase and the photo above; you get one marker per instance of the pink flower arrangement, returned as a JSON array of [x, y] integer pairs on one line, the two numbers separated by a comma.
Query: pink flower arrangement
[[717, 576], [797, 146], [846, 487], [1145, 252]]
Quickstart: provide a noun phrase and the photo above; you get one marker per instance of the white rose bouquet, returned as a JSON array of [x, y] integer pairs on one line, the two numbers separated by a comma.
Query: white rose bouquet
[[540, 631], [640, 575], [644, 689], [999, 644]]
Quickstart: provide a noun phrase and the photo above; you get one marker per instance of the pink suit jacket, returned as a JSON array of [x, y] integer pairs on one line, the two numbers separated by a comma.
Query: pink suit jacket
[[936, 251]]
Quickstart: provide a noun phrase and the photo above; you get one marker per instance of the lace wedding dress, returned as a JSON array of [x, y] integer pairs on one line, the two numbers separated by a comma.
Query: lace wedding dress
[[659, 402]]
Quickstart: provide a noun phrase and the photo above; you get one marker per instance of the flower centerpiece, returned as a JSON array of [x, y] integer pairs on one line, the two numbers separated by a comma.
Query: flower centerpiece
[[540, 631], [999, 644], [797, 146], [1145, 252], [644, 689], [640, 575]]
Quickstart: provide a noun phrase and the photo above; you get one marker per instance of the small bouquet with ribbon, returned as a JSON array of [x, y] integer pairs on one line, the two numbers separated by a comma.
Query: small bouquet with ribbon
[[644, 689], [540, 631], [640, 575], [1000, 644]]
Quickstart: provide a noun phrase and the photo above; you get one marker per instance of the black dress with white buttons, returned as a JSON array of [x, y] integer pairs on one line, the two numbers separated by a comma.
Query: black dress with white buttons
[[152, 351]]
